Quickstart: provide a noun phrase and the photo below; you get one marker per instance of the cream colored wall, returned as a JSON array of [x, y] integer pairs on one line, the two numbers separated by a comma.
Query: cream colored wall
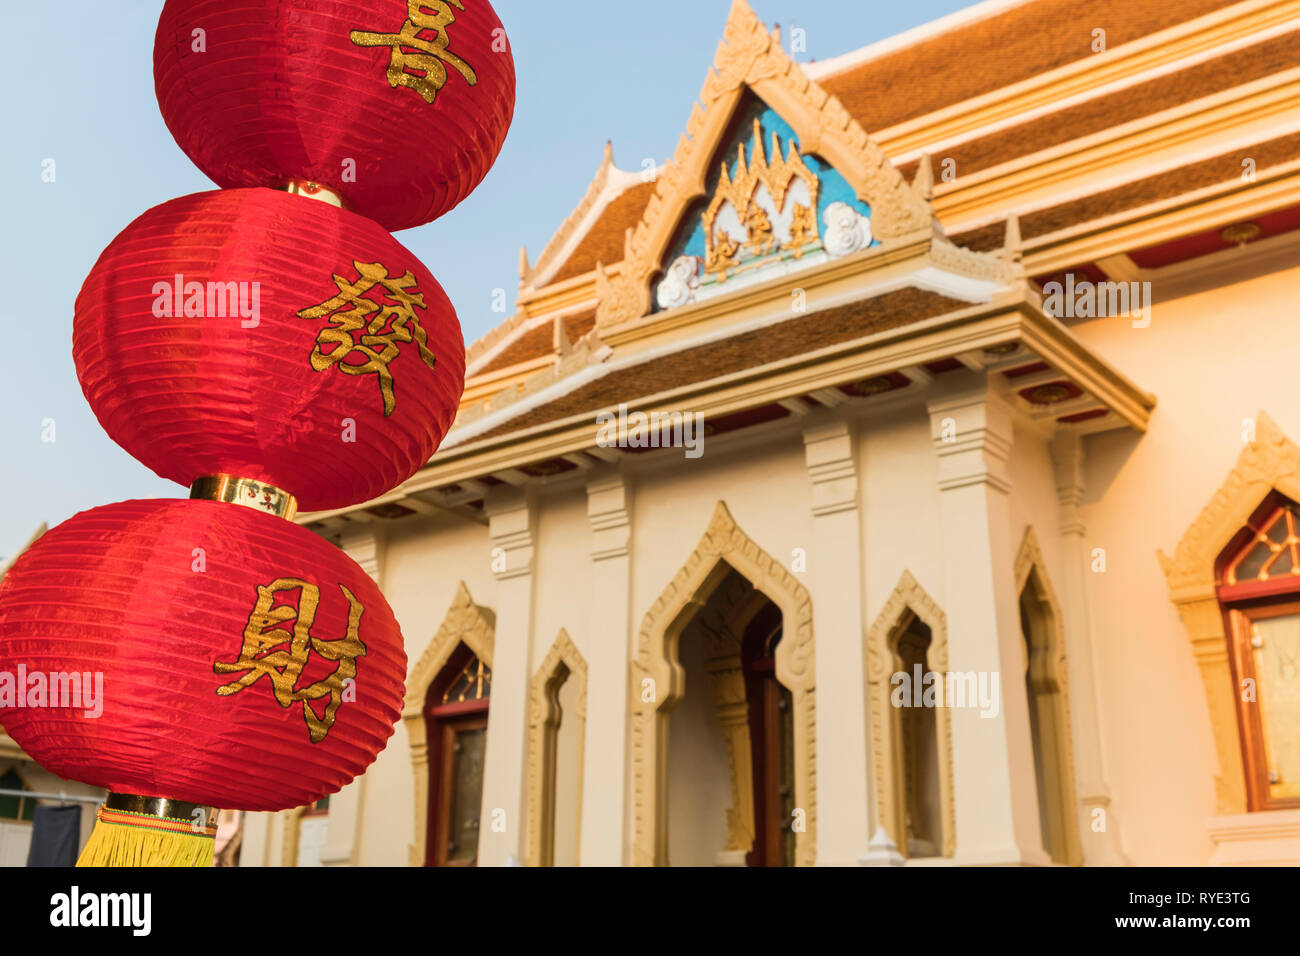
[[424, 562], [1034, 501], [764, 485], [1212, 360], [563, 586], [901, 528]]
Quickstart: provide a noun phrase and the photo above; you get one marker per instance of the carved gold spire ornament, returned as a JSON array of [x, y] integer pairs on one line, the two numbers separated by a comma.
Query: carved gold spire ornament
[[726, 252]]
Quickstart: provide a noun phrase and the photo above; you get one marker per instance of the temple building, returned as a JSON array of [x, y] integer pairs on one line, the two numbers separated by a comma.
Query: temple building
[[907, 472]]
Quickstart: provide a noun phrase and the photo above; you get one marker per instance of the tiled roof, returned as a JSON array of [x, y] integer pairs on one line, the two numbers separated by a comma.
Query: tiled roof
[[943, 69], [992, 53], [739, 352], [1223, 168], [539, 341], [604, 240], [1104, 112]]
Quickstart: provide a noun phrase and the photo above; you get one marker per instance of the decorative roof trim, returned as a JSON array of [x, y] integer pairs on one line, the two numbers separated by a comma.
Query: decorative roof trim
[[750, 57], [947, 270], [608, 184], [519, 324]]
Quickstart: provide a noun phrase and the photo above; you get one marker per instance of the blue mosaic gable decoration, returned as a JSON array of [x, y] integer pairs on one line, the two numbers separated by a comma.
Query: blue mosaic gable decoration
[[769, 211]]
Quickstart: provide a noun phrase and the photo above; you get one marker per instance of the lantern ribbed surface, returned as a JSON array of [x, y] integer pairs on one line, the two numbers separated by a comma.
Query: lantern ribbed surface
[[115, 591], [193, 395], [258, 92]]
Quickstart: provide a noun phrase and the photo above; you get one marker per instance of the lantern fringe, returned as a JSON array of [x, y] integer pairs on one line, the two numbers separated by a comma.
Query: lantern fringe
[[123, 839]]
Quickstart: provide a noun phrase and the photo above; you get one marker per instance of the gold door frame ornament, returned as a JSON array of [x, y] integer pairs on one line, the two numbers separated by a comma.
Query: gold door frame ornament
[[658, 679], [465, 623], [1270, 463], [1048, 667], [749, 57], [543, 714], [907, 602]]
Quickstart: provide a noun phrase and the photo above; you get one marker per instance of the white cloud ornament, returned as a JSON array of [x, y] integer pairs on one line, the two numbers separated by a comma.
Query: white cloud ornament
[[847, 230], [680, 283]]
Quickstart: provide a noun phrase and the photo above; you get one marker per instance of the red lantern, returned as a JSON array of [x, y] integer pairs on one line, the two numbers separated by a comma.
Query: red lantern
[[399, 107], [253, 333], [246, 663]]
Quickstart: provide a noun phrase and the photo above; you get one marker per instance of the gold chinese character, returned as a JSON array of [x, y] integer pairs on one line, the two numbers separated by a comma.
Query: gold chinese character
[[383, 328], [423, 72], [283, 668]]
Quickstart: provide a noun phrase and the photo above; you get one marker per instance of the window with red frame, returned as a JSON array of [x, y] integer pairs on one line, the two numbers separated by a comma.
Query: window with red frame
[[1258, 577], [456, 711]]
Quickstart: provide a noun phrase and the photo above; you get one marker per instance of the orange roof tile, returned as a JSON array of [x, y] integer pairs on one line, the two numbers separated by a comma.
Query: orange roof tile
[[1203, 79], [1223, 168], [604, 240], [539, 341], [992, 53], [739, 352]]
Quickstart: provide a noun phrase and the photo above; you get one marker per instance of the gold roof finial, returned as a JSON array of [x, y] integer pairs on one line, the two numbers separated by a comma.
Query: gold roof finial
[[923, 181], [1011, 244]]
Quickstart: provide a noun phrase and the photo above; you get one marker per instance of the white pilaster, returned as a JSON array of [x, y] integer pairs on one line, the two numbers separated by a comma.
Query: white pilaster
[[609, 642], [1101, 847], [835, 581], [511, 522], [993, 769]]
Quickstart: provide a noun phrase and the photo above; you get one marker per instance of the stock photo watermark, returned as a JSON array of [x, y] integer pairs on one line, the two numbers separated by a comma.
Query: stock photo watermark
[[653, 430], [208, 300], [76, 690], [921, 688], [1084, 299]]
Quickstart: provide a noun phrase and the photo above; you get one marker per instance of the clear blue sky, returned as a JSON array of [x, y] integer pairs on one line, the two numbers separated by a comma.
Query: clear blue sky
[[79, 89]]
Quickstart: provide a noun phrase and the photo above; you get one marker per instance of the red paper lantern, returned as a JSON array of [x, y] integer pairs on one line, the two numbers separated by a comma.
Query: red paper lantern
[[192, 611], [399, 107], [340, 388]]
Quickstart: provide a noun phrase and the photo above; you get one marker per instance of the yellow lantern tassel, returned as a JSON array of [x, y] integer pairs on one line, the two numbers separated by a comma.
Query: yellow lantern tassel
[[150, 831]]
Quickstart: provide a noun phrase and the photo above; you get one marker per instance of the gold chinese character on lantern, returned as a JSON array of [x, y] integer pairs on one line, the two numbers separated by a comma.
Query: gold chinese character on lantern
[[266, 631], [425, 70], [382, 327]]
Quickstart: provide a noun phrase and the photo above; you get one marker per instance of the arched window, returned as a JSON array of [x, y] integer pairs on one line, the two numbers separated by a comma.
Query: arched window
[[918, 748], [1039, 629], [1258, 582], [456, 711], [911, 725], [557, 722]]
